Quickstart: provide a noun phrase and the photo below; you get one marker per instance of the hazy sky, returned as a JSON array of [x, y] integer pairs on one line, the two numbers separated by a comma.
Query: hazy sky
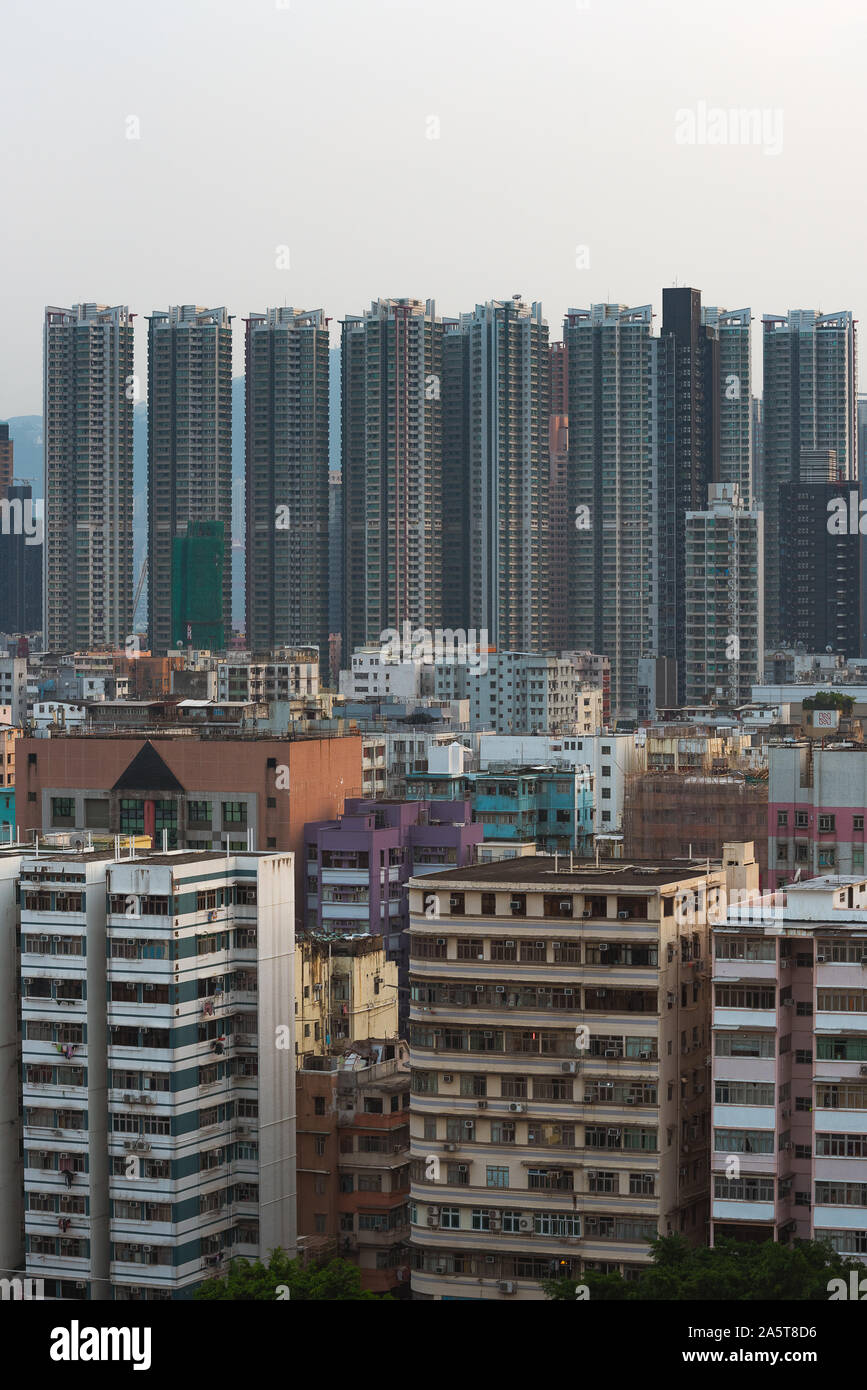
[[307, 124]]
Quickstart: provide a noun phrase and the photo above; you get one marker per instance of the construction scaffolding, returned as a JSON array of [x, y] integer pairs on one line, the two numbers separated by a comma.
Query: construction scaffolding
[[691, 814]]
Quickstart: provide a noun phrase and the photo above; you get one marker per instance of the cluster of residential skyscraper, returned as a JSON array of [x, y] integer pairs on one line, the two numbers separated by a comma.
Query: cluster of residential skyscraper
[[620, 491]]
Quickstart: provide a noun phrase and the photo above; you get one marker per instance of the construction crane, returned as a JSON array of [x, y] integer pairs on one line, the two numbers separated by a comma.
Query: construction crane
[[139, 586]]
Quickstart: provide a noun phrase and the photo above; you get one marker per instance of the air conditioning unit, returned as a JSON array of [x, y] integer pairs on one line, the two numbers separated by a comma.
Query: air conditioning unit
[[525, 1223], [448, 1078], [862, 1071], [469, 1125], [516, 1107], [540, 946], [441, 941], [623, 915], [506, 1286], [450, 1148], [482, 1104], [500, 989], [441, 1268], [611, 1052], [510, 945], [784, 964], [565, 904], [479, 989], [494, 1224], [821, 958], [587, 912], [631, 1100], [571, 1067], [433, 1221], [146, 1249], [128, 1099]]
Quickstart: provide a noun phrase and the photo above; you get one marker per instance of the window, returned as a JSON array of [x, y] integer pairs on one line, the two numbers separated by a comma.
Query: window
[[842, 1194], [481, 1219], [641, 1184], [744, 1141], [234, 812], [851, 1001], [319, 1105], [473, 1084], [601, 1180], [450, 1218], [556, 1223], [744, 1045], [745, 997], [495, 1177], [744, 1189], [744, 1093]]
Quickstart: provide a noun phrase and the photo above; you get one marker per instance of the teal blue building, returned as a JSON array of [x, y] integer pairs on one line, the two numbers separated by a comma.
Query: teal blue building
[[553, 806], [7, 814]]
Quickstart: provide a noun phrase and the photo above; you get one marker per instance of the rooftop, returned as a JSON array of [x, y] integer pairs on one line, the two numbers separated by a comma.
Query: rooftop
[[540, 869]]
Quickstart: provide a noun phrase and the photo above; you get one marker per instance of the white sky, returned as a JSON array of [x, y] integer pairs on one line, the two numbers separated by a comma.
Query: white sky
[[306, 126]]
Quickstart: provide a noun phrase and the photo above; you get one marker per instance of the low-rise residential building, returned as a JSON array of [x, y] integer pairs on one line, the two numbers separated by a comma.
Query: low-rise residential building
[[817, 801], [523, 693], [357, 867], [353, 1160], [553, 806], [611, 758], [345, 991], [790, 1066], [559, 1043]]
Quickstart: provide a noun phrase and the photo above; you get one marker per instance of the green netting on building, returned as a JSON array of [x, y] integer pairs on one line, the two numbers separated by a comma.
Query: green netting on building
[[197, 586]]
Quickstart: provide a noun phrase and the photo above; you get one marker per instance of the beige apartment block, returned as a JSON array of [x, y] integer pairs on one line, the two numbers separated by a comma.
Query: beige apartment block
[[346, 992], [560, 1045]]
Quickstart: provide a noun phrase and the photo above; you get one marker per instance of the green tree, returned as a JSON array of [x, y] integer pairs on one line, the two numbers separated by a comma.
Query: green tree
[[743, 1272], [246, 1282]]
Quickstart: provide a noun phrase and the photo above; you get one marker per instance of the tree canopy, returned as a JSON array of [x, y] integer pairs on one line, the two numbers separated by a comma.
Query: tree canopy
[[738, 1271], [282, 1277]]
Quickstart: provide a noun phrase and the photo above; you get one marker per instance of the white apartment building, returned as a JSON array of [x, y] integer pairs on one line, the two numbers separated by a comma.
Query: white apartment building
[[288, 679], [372, 675], [13, 686], [158, 1115], [523, 693], [790, 1066], [725, 642]]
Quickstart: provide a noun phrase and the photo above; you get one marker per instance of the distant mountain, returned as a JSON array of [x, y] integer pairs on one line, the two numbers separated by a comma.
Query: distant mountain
[[26, 433]]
